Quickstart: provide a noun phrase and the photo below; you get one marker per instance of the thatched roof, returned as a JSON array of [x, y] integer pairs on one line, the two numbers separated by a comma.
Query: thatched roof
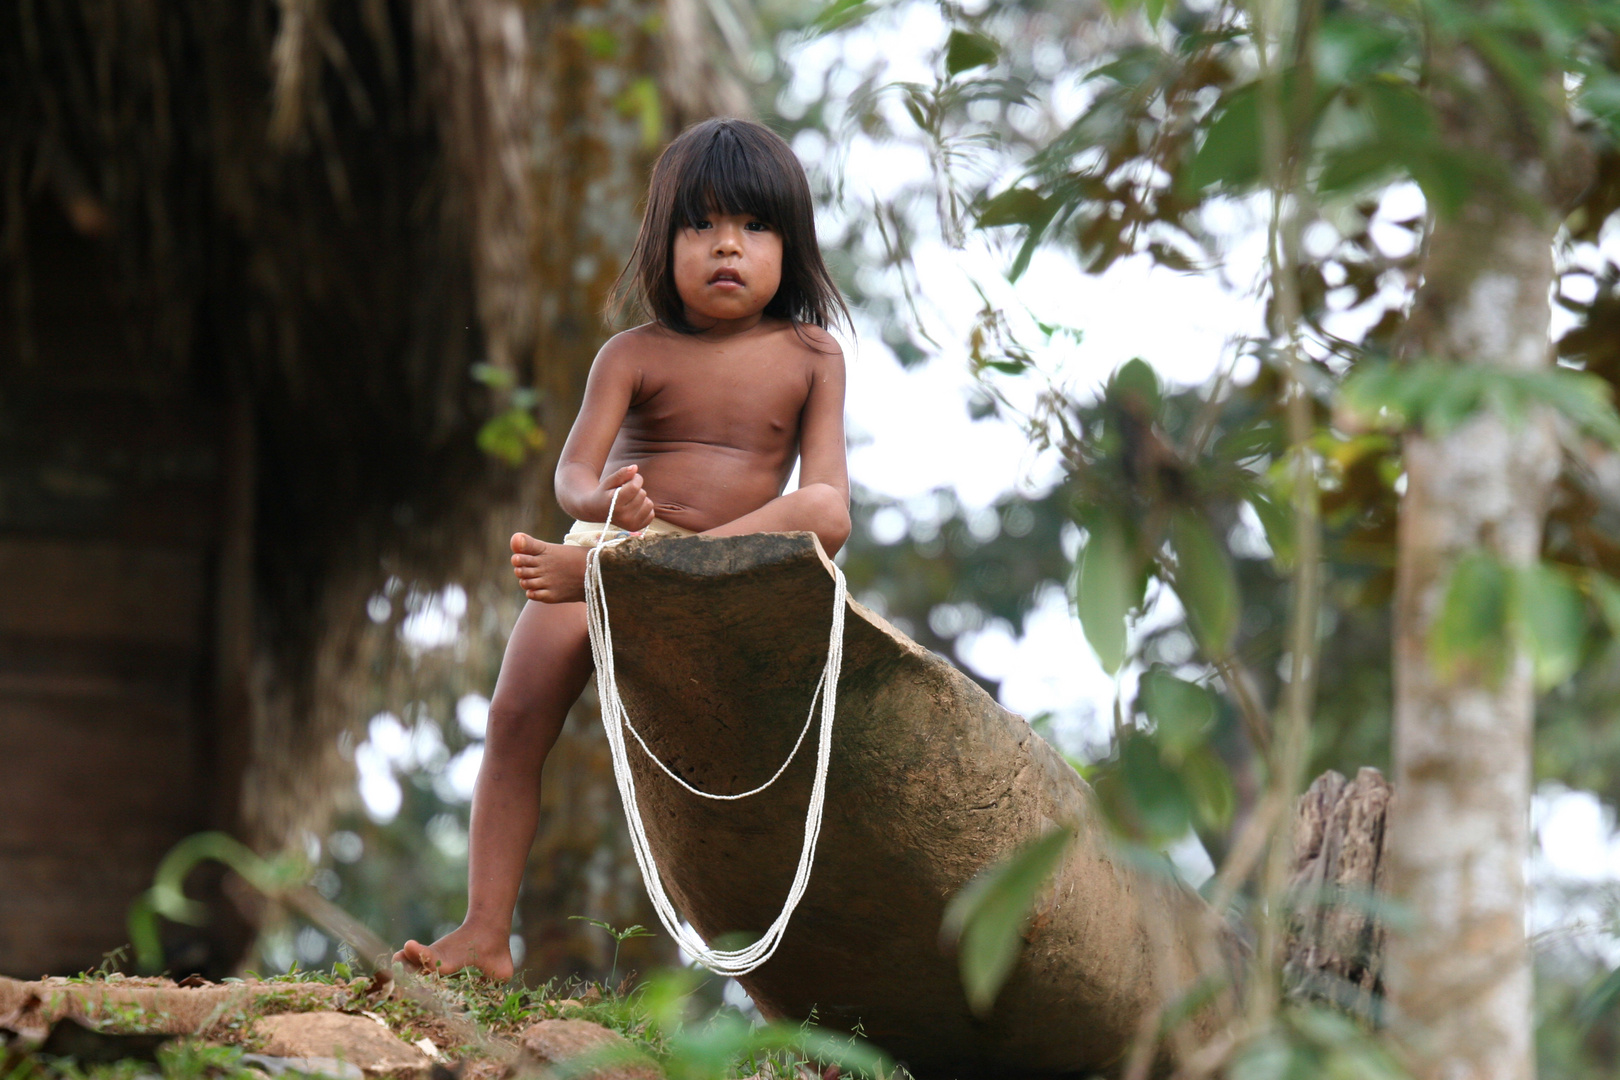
[[318, 218], [321, 214]]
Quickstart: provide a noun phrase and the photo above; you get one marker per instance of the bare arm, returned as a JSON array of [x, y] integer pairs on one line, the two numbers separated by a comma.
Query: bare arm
[[581, 489], [821, 503]]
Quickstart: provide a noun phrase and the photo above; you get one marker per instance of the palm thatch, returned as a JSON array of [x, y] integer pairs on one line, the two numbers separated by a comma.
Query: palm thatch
[[314, 217]]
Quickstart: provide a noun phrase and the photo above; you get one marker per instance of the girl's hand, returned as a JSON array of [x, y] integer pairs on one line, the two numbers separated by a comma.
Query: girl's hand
[[634, 510]]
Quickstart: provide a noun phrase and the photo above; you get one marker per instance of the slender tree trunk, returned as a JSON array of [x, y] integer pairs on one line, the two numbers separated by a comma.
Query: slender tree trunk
[[1460, 979]]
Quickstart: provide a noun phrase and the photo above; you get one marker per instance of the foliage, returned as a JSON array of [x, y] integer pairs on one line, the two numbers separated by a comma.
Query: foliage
[[1210, 500], [985, 921]]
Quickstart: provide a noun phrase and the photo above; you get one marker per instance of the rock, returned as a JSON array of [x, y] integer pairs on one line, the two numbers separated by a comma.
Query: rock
[[552, 1042], [144, 1005], [317, 1066], [354, 1039]]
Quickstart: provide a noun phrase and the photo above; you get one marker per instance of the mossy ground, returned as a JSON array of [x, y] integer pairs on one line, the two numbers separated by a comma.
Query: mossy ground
[[474, 1022]]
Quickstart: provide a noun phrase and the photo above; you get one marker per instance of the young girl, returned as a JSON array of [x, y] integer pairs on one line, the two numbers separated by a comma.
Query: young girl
[[697, 418]]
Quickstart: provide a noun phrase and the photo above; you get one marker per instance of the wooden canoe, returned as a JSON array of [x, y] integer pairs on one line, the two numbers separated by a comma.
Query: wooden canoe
[[718, 645]]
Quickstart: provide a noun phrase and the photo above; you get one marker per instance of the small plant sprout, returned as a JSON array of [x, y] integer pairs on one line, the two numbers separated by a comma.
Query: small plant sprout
[[619, 938]]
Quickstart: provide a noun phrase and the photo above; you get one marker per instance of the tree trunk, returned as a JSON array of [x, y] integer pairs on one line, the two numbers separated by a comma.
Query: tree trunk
[[1460, 979], [718, 645]]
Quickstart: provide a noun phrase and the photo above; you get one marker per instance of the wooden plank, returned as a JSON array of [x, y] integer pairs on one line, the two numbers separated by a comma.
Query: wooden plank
[[101, 590], [60, 911], [87, 777]]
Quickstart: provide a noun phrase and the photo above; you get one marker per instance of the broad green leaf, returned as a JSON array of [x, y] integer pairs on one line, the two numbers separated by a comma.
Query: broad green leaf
[[1015, 206], [1277, 519], [1438, 395], [1354, 167], [1136, 67], [1600, 95], [1606, 591], [1473, 616], [1209, 787], [1350, 47], [965, 50], [986, 920], [1549, 619], [1401, 115], [1104, 588], [1037, 231], [1159, 797], [1182, 712], [839, 14], [1230, 154], [1204, 582]]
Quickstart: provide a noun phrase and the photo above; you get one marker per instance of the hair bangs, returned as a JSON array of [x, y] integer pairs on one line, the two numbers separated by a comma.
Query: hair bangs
[[725, 178]]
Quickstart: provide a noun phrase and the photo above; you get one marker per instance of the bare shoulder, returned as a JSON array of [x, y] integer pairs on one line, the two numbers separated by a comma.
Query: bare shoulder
[[820, 350], [631, 346]]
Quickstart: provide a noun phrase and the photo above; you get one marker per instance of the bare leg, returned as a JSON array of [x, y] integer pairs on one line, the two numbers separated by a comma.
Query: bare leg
[[546, 666], [555, 573]]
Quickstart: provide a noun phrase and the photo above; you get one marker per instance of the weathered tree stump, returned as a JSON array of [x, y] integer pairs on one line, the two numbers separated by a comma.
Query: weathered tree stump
[[1335, 949]]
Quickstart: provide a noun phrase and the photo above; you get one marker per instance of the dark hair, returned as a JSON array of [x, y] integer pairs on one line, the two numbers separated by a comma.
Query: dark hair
[[729, 166]]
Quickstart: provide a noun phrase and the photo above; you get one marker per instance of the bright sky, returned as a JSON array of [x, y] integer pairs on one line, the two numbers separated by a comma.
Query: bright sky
[[911, 434]]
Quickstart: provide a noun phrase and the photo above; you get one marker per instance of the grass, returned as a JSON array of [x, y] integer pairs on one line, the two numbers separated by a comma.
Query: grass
[[661, 1019]]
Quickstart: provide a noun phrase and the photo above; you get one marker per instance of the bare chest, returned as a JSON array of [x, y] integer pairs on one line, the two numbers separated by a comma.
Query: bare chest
[[743, 402]]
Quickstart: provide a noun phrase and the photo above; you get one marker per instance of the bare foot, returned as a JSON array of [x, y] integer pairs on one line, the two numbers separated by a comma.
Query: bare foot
[[461, 948], [549, 573]]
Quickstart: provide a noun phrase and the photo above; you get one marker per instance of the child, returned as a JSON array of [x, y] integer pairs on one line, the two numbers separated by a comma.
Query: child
[[696, 418]]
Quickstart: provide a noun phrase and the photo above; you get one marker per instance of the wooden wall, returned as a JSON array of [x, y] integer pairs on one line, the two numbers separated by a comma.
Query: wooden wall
[[120, 488]]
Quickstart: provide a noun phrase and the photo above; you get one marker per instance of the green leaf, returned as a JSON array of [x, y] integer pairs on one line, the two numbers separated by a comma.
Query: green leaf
[[1204, 582], [1600, 95], [496, 378], [1599, 1001], [642, 100], [986, 919], [1438, 395], [1230, 154], [1015, 206], [1209, 787], [1606, 591], [1182, 712], [1162, 805], [839, 14], [1351, 47], [510, 436], [1471, 628], [965, 50], [1277, 518], [1104, 592], [1268, 1056], [1549, 620]]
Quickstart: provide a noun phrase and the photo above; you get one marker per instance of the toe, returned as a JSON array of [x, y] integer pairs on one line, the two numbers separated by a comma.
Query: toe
[[524, 544]]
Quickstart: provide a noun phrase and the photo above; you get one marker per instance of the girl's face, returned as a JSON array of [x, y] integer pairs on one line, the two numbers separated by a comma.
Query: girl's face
[[727, 267]]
